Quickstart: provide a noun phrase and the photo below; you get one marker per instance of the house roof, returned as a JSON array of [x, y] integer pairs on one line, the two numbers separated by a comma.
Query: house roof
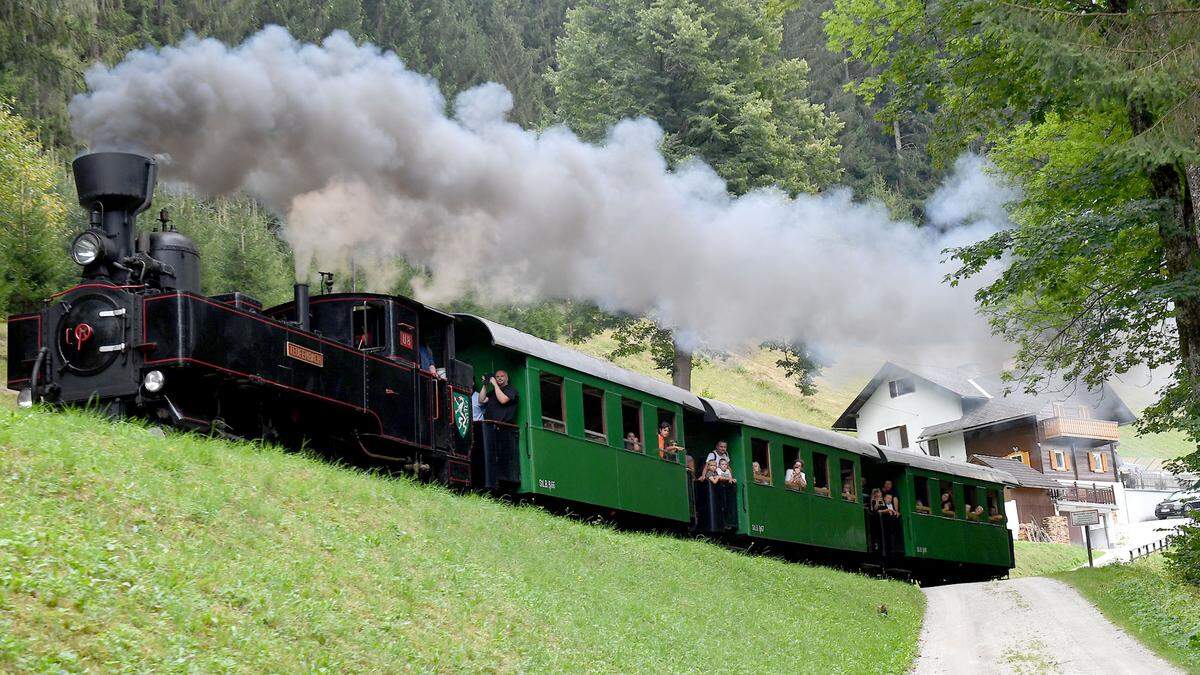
[[985, 401], [1025, 476], [724, 412], [947, 378], [511, 338]]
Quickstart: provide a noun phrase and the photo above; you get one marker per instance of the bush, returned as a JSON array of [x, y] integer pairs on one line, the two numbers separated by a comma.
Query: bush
[[1183, 555]]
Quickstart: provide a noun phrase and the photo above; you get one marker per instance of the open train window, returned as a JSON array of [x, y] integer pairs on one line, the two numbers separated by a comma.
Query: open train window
[[921, 492], [672, 440], [553, 419], [849, 481], [995, 507], [631, 425], [820, 470], [593, 415], [760, 455], [946, 498], [971, 499], [790, 454], [368, 327]]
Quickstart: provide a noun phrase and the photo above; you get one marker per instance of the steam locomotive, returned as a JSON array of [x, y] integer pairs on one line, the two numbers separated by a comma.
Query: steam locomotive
[[384, 379], [137, 338]]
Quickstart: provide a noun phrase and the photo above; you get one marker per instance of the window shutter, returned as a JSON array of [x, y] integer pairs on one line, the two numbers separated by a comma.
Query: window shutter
[[1066, 461], [1104, 462], [881, 437], [904, 435], [1092, 462]]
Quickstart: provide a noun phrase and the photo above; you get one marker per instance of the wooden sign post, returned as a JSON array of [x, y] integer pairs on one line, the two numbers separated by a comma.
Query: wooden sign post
[[1085, 519]]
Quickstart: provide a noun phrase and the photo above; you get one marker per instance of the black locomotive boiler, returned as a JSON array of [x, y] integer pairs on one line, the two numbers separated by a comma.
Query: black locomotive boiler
[[136, 337]]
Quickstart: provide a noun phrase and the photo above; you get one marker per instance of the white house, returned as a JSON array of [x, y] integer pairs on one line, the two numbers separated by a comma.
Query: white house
[[1069, 433]]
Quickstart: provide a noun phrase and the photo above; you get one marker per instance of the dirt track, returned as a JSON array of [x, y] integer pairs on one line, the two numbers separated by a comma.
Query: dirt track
[[1031, 625]]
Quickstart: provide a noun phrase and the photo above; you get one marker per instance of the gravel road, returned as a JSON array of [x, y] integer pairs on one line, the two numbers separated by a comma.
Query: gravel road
[[1029, 625]]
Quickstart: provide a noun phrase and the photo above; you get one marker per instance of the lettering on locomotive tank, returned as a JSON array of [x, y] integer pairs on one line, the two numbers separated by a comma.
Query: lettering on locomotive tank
[[309, 356]]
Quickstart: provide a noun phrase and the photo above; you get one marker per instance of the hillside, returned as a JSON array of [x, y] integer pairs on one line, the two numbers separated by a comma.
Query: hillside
[[121, 549]]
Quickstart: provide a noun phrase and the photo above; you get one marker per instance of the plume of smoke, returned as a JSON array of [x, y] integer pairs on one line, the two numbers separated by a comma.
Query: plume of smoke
[[360, 156]]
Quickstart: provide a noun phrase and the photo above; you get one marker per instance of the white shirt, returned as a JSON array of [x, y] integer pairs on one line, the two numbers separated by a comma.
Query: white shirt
[[476, 408], [724, 473], [714, 457], [787, 477]]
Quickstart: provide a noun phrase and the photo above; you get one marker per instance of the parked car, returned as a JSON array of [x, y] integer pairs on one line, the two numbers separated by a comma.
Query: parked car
[[1178, 504]]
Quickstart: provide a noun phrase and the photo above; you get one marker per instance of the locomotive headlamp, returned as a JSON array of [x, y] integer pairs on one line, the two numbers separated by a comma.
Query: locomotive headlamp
[[154, 381], [87, 247]]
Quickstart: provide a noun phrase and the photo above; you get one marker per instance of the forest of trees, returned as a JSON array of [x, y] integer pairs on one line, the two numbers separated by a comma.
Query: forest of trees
[[1093, 108]]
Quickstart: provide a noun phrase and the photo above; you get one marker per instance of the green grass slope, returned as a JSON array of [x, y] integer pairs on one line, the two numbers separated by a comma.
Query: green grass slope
[[1144, 599], [121, 550], [1037, 559]]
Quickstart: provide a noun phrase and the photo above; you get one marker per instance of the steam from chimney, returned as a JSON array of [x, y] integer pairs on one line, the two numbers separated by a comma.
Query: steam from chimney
[[360, 156]]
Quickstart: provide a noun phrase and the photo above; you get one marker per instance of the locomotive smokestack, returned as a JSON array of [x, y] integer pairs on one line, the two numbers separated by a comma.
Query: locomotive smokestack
[[114, 187], [302, 316]]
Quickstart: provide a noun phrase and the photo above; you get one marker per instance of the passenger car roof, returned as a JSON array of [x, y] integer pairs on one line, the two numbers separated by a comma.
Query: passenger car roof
[[947, 466], [524, 343], [724, 412]]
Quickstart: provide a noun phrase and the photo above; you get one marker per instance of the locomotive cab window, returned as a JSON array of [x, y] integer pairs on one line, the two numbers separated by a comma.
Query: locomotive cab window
[[760, 455], [593, 415], [820, 469], [553, 419], [849, 484], [368, 322], [946, 498], [921, 492], [631, 425]]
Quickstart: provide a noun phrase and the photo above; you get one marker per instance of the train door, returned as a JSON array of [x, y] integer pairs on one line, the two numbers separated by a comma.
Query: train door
[[884, 530]]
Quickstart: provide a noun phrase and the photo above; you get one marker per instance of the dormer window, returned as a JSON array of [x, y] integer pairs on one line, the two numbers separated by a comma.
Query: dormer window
[[901, 387]]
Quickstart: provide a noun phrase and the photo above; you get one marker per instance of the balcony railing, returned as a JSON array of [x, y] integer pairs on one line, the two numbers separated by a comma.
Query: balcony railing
[[1086, 495], [1066, 427]]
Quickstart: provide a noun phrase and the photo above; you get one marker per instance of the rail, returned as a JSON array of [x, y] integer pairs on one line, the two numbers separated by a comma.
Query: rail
[[1086, 495], [1146, 549]]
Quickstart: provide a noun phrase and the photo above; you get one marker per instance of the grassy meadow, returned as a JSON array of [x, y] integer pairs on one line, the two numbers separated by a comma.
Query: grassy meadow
[[1039, 559], [124, 550], [1144, 599]]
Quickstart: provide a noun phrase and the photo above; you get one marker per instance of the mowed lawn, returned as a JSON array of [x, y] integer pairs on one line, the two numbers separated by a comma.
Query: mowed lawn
[[1038, 559], [121, 550], [1143, 598]]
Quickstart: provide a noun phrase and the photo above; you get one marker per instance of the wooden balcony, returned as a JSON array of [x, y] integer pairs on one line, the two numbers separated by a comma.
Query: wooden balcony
[[1085, 432], [1086, 495]]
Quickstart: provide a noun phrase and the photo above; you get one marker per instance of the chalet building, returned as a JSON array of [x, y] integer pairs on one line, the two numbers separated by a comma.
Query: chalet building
[[1068, 434]]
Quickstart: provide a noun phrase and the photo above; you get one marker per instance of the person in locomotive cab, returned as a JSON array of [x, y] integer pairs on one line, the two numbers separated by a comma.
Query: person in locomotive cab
[[426, 356]]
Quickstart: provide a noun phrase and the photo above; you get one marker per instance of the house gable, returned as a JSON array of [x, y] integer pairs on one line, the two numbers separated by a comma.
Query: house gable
[[927, 403]]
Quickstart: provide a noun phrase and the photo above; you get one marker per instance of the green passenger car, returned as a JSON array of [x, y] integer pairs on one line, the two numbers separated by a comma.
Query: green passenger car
[[586, 433], [575, 414]]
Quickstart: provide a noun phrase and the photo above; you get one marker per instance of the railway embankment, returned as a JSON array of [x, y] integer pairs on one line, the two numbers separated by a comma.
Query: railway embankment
[[122, 549]]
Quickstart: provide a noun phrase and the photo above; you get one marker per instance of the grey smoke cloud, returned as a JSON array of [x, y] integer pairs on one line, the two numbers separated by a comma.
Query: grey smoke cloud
[[360, 157]]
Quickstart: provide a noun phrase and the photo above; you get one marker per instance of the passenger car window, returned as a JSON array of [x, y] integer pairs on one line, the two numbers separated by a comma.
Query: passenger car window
[[849, 481], [631, 425], [760, 455], [553, 419], [593, 415], [921, 494], [820, 469], [946, 498]]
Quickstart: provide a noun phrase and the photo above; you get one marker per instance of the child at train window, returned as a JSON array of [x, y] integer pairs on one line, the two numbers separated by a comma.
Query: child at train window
[[995, 515], [876, 499], [794, 478], [921, 507], [723, 472], [890, 507], [710, 472], [970, 513], [977, 512], [947, 505], [632, 443], [761, 477], [848, 491]]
